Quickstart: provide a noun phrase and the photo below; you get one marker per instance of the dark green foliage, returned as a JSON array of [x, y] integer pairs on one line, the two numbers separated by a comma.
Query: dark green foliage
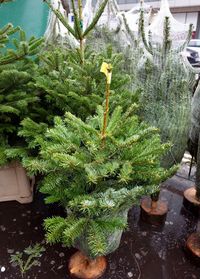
[[5, 32], [63, 84], [99, 219], [96, 176], [68, 86], [21, 46], [17, 97]]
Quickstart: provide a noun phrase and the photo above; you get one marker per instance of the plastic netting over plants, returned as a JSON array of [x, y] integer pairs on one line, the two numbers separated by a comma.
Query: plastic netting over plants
[[110, 17], [166, 81], [56, 31], [132, 16], [178, 30], [87, 14], [112, 239], [165, 101], [112, 20], [113, 27], [124, 25]]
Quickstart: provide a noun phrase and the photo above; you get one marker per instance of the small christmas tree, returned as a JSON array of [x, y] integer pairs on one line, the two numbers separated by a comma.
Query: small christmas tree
[[97, 169]]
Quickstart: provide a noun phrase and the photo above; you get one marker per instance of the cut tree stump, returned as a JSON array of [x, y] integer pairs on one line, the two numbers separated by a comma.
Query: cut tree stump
[[153, 213], [82, 267], [193, 246], [190, 201]]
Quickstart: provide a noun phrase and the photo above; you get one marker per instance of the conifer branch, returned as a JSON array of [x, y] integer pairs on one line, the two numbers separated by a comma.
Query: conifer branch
[[77, 22], [167, 43], [189, 36], [61, 18], [142, 32]]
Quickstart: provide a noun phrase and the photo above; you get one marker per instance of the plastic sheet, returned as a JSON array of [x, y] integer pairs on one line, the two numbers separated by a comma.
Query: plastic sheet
[[113, 239]]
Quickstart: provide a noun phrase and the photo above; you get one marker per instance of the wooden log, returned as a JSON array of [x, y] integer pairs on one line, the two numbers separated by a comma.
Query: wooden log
[[193, 246], [153, 212], [190, 202], [82, 267]]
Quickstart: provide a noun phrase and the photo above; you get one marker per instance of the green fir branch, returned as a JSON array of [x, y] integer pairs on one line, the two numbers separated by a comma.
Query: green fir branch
[[62, 19]]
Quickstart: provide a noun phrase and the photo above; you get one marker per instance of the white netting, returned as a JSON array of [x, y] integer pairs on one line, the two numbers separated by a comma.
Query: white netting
[[55, 30], [109, 18], [165, 101], [132, 16], [87, 14], [178, 31]]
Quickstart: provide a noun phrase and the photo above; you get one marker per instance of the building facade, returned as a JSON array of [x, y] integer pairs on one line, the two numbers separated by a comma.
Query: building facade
[[185, 11]]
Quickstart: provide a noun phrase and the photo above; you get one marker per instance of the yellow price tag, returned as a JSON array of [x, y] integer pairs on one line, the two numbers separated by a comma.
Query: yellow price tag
[[106, 69]]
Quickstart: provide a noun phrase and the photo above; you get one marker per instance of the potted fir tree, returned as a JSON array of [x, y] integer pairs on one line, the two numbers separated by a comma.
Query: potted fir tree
[[97, 169], [16, 97], [165, 103]]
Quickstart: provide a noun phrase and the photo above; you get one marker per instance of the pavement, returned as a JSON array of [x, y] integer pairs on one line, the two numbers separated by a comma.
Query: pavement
[[146, 251]]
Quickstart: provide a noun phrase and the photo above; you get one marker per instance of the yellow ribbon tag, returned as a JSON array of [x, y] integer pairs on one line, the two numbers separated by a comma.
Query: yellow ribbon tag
[[106, 69]]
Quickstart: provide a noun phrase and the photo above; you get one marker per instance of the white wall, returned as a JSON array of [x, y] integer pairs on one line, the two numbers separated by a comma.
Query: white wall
[[173, 3], [187, 18]]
